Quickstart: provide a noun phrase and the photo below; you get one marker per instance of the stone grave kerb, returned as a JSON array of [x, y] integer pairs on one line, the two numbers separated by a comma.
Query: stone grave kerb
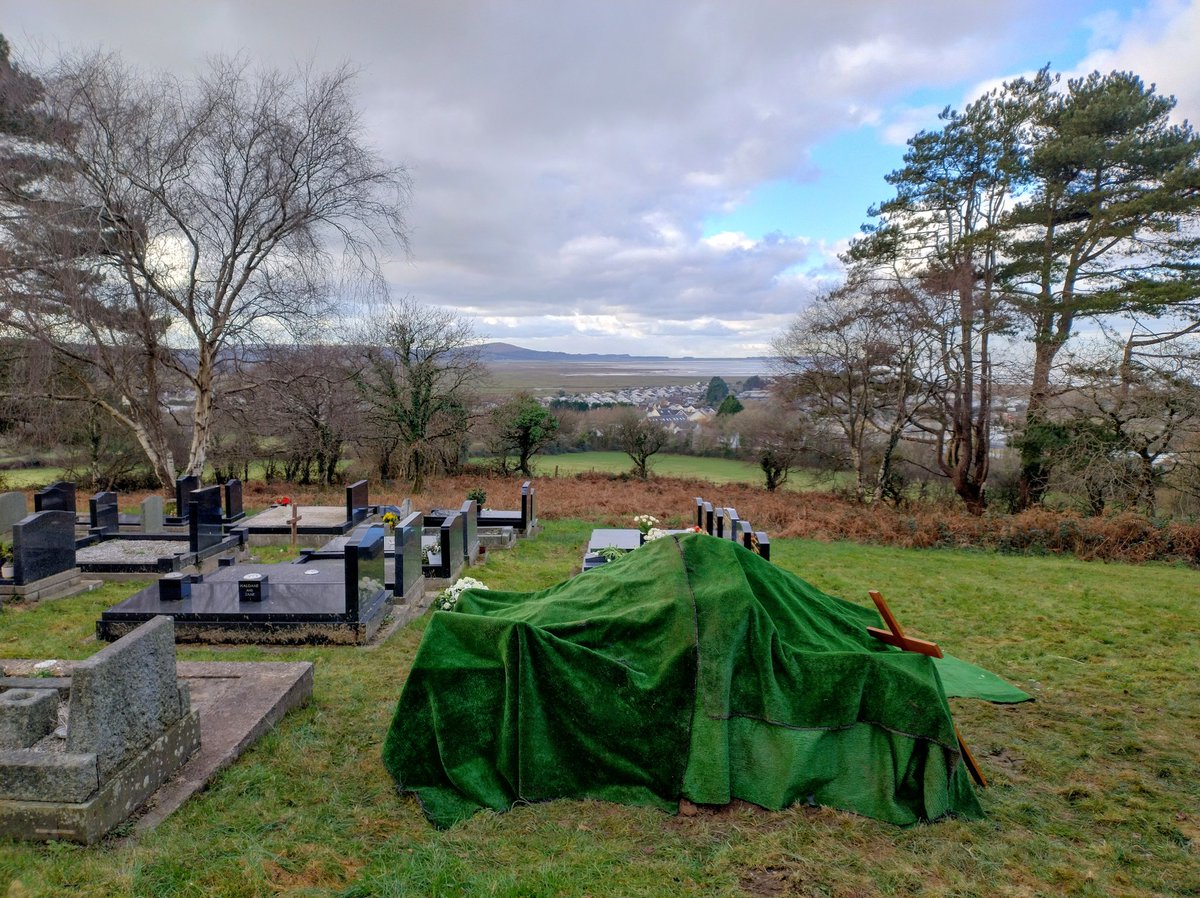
[[125, 696]]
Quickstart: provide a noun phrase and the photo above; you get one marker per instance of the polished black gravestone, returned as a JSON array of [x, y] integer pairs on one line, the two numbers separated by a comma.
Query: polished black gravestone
[[357, 508], [184, 487], [205, 528], [233, 501], [43, 546], [103, 517], [408, 582], [59, 496], [403, 572], [318, 600]]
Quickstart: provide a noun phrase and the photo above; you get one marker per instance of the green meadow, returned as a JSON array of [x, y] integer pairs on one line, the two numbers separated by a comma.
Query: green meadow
[[1095, 786]]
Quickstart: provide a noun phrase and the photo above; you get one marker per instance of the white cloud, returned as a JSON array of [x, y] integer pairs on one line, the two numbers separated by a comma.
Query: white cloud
[[566, 155]]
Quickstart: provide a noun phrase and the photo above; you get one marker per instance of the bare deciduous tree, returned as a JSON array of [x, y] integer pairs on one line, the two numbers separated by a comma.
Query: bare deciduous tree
[[192, 216], [639, 438], [421, 368]]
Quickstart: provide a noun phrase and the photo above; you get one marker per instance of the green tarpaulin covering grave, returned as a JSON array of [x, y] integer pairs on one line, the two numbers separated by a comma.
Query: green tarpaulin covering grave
[[690, 668]]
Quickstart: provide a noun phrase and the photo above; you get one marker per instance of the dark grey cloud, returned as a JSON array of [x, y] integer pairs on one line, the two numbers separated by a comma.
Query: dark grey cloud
[[565, 155]]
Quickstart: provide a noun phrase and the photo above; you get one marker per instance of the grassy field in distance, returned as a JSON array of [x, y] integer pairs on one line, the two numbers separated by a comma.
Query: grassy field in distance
[[718, 470]]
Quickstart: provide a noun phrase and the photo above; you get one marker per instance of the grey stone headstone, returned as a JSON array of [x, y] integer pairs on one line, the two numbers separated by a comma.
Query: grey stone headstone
[[152, 514], [43, 545], [125, 696], [204, 519], [12, 509], [26, 715], [58, 496]]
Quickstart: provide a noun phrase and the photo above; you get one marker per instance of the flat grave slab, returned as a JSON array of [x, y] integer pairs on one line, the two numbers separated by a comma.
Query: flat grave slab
[[321, 600], [317, 524]]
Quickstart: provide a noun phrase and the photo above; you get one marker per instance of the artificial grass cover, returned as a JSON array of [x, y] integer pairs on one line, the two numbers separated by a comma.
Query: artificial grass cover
[[689, 668]]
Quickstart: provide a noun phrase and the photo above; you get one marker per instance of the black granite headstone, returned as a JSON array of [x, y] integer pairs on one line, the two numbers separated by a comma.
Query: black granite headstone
[[103, 516], [407, 553], [184, 487], [528, 510], [43, 545], [59, 496], [204, 519], [233, 501], [356, 501], [364, 566]]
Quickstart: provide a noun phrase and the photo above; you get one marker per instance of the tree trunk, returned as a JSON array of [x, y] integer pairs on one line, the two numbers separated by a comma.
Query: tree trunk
[[202, 411]]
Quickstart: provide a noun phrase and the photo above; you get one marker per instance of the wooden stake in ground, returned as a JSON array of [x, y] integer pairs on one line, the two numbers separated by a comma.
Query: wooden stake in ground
[[293, 521], [894, 635]]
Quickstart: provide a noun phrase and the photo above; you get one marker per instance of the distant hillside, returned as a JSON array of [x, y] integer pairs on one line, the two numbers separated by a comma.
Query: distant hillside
[[506, 352]]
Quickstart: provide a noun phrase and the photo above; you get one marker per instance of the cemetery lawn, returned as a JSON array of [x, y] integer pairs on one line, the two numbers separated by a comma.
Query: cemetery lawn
[[1095, 785]]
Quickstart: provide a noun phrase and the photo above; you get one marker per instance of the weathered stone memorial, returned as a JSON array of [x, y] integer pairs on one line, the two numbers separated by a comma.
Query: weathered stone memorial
[[129, 727], [152, 519], [317, 600], [12, 509], [44, 564]]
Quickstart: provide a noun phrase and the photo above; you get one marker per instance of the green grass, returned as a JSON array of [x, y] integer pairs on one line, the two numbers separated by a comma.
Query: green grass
[[1096, 785], [29, 478], [717, 470]]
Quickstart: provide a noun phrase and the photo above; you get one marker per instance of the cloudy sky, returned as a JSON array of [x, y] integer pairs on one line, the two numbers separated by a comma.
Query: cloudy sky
[[645, 176]]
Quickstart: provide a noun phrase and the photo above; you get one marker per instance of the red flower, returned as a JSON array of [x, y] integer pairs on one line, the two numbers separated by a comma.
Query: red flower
[[283, 500]]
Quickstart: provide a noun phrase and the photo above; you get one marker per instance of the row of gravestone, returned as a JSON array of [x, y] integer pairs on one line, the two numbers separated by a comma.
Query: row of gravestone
[[724, 523], [44, 543]]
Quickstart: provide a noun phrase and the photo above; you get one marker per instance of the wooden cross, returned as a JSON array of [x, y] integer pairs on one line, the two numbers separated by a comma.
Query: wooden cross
[[894, 635], [294, 520]]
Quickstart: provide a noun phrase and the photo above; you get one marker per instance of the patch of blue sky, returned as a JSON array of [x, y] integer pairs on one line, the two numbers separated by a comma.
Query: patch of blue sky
[[849, 167]]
